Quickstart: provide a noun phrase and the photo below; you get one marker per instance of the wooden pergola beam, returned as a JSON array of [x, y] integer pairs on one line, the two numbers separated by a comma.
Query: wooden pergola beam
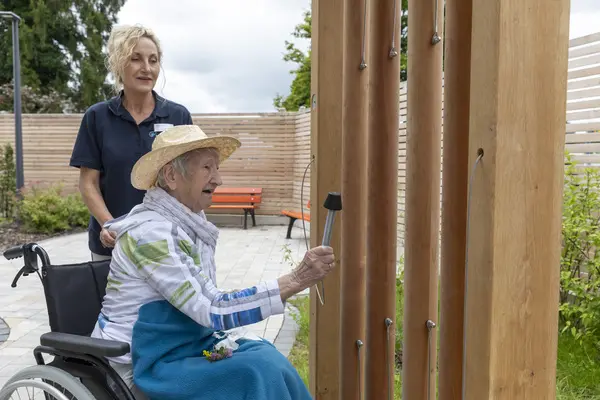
[[518, 108]]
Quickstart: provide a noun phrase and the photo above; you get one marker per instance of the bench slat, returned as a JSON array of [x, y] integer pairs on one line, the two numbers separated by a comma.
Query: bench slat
[[296, 214], [238, 190], [233, 206], [218, 198]]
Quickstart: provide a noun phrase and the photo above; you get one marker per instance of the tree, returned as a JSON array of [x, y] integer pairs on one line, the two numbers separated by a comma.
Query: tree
[[62, 43], [300, 88]]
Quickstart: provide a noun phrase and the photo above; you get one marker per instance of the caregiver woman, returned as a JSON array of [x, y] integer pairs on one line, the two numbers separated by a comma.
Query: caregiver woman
[[115, 133]]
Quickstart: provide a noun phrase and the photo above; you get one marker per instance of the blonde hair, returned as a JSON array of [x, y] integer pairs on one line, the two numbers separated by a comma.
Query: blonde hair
[[121, 42]]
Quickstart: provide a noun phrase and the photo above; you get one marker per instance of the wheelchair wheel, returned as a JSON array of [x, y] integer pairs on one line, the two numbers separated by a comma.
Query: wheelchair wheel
[[46, 383]]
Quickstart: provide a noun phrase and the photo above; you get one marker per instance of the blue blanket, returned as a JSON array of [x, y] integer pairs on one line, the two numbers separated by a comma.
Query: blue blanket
[[168, 362]]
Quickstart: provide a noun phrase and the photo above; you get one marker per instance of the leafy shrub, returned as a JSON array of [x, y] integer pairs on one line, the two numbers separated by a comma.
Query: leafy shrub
[[48, 210], [8, 185], [34, 101], [580, 260]]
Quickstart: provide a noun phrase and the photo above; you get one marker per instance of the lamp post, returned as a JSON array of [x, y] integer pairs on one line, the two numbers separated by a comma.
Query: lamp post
[[17, 95]]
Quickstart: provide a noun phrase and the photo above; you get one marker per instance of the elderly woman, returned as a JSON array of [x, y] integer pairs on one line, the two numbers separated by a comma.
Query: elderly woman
[[116, 132], [162, 296]]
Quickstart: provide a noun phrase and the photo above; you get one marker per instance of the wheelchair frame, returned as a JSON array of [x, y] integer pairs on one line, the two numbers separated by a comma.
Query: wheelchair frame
[[82, 357]]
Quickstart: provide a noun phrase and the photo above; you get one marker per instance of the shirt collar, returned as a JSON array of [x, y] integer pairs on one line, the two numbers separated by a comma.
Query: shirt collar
[[161, 108]]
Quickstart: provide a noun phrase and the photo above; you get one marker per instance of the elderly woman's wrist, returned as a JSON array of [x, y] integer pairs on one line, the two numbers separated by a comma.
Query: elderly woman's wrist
[[288, 286]]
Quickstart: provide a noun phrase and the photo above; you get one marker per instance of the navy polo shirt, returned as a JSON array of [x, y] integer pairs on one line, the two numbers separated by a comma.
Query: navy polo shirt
[[109, 140]]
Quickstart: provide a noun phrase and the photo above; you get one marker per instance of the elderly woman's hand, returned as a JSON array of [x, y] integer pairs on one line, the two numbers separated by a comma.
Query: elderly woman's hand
[[317, 263]]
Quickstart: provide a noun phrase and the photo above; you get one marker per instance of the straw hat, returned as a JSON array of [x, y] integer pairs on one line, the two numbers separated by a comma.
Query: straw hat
[[174, 142]]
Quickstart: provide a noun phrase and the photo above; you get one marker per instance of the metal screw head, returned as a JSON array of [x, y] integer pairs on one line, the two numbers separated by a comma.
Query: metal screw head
[[435, 39]]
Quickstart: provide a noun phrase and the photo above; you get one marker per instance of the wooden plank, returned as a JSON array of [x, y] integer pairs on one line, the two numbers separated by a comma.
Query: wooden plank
[[584, 61], [422, 210], [583, 105], [381, 181], [518, 101], [454, 200], [237, 190], [326, 147], [583, 137], [354, 199], [583, 40], [584, 72]]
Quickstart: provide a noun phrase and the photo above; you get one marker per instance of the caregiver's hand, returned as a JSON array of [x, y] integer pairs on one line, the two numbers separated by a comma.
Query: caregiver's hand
[[107, 238], [317, 263]]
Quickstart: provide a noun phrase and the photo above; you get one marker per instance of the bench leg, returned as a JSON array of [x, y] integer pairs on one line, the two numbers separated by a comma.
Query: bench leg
[[290, 226], [253, 217], [245, 219]]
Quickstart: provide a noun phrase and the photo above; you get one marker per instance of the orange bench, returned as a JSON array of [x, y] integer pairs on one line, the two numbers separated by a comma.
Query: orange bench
[[238, 198], [293, 216]]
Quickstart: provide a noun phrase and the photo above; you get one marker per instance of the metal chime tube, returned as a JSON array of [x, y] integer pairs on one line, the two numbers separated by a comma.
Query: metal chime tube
[[354, 182], [457, 78], [423, 148], [384, 83]]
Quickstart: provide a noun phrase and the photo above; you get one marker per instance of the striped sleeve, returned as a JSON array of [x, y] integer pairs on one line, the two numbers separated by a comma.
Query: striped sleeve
[[165, 261]]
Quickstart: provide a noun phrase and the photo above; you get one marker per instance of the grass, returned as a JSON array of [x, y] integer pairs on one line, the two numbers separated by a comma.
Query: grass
[[578, 374], [299, 354]]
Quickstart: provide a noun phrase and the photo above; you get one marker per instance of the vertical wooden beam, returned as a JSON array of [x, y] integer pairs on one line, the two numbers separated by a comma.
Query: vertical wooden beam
[[354, 199], [326, 147], [423, 148], [457, 79], [518, 111], [382, 207]]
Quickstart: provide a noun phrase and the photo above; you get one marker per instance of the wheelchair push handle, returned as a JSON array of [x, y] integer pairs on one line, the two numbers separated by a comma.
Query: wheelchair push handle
[[30, 253], [13, 252]]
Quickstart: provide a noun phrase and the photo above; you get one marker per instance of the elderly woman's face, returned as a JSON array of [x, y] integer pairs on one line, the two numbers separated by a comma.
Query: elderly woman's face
[[196, 189], [142, 69]]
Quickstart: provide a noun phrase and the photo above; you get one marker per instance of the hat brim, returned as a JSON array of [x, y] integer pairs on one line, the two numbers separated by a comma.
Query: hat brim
[[145, 170]]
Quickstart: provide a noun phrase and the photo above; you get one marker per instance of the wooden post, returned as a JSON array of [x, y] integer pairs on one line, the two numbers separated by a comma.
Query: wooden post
[[354, 196], [518, 111], [457, 77], [383, 124], [326, 147], [423, 148]]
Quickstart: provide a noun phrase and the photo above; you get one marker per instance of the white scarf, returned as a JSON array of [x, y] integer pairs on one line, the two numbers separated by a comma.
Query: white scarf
[[195, 225]]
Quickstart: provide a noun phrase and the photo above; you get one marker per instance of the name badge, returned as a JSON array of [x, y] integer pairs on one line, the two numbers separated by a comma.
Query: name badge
[[158, 128]]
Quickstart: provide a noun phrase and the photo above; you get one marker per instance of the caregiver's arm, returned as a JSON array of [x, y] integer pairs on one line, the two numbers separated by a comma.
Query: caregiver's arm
[[165, 260], [89, 186]]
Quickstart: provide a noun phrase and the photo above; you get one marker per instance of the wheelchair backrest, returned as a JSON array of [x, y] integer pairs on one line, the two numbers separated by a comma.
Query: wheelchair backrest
[[74, 294]]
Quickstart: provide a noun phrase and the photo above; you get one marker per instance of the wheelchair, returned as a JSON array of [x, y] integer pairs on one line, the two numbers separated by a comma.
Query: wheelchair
[[79, 368]]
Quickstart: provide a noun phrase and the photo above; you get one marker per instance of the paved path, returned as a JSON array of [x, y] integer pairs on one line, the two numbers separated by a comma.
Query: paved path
[[243, 258]]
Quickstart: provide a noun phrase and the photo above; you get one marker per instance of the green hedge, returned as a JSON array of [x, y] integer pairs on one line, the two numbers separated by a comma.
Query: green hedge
[[49, 211]]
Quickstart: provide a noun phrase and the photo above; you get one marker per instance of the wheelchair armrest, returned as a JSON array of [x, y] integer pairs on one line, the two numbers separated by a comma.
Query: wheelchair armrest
[[84, 344]]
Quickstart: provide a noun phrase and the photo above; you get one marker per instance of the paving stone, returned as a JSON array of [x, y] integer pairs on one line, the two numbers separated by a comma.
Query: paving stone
[[4, 331]]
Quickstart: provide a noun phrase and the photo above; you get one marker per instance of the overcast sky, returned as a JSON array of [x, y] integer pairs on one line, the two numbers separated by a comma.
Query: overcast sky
[[226, 56]]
